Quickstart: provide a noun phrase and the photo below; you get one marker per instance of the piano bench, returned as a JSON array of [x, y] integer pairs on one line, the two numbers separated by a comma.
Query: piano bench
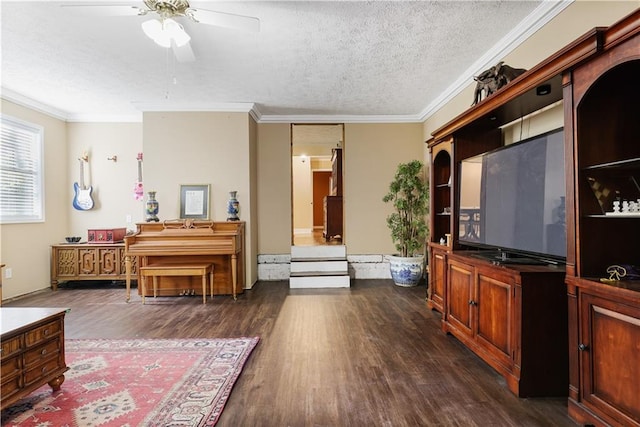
[[157, 270]]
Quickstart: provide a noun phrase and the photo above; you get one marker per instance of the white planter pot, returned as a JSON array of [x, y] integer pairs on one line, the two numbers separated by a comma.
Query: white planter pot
[[406, 271]]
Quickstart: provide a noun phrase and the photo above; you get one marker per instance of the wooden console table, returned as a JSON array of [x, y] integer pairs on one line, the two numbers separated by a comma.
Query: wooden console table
[[83, 261], [220, 244], [32, 351]]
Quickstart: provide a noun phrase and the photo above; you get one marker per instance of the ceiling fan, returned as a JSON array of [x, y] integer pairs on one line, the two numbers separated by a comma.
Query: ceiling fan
[[165, 30]]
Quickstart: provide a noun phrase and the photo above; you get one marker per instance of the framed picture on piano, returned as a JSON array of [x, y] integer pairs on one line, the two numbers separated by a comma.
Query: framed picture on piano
[[194, 201]]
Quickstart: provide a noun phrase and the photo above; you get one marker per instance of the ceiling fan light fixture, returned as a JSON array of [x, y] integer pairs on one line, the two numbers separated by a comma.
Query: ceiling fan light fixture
[[152, 28], [163, 33], [176, 32]]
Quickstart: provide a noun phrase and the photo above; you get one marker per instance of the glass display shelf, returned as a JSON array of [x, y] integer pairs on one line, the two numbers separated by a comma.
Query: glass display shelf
[[633, 163]]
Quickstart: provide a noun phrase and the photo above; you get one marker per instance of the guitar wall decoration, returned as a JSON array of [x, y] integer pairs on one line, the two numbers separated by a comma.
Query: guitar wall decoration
[[82, 200], [138, 192]]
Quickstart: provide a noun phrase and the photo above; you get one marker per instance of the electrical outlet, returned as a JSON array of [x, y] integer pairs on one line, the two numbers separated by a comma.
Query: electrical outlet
[[8, 273], [128, 219]]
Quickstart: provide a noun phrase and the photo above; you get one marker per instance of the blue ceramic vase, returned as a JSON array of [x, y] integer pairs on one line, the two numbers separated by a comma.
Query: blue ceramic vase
[[152, 208], [233, 207]]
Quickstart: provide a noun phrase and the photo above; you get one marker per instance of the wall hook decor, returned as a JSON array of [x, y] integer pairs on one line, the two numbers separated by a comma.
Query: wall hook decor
[[114, 158]]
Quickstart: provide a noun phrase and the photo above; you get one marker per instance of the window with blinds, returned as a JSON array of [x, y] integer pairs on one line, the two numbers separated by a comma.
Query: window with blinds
[[21, 171]]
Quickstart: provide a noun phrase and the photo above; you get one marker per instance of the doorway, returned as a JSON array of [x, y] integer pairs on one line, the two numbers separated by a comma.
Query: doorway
[[315, 176]]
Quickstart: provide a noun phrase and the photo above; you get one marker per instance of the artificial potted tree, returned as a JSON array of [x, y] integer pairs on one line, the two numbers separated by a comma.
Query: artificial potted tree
[[409, 194]]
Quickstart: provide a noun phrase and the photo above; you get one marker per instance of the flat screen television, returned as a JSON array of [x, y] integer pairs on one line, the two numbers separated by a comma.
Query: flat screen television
[[512, 200]]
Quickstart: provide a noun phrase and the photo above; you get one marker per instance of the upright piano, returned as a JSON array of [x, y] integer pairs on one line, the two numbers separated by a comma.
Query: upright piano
[[189, 241]]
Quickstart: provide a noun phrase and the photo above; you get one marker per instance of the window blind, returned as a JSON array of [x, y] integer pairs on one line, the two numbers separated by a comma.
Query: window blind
[[21, 171]]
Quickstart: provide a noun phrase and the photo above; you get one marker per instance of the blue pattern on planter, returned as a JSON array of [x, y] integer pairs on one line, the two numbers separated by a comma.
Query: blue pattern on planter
[[406, 273]]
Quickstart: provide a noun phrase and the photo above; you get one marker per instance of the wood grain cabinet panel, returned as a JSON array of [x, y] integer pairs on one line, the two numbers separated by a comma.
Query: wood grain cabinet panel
[[614, 335], [437, 277], [494, 312], [607, 354], [88, 265], [460, 296]]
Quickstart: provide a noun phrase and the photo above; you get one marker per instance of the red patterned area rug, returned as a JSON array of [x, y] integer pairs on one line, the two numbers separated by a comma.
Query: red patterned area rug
[[138, 383]]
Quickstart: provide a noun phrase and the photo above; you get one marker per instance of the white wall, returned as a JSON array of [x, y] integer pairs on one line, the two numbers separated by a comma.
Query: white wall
[[112, 182], [25, 248], [303, 200], [372, 153], [203, 148]]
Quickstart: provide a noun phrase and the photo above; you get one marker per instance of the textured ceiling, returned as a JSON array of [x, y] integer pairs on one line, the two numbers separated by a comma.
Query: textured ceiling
[[333, 60]]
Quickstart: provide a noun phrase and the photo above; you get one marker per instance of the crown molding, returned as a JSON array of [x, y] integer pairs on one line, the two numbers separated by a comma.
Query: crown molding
[[24, 101], [227, 107], [259, 117], [339, 119], [544, 13], [105, 118]]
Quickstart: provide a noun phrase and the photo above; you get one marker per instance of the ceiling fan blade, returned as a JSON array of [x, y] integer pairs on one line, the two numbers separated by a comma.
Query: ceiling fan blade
[[226, 20], [183, 53], [105, 10]]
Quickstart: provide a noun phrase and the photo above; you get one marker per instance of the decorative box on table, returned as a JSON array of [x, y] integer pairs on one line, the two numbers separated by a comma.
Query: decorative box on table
[[108, 235]]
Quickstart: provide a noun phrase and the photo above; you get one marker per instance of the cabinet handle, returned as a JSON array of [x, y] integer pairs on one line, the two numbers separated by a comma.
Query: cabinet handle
[[46, 332], [44, 369], [43, 352], [472, 302], [583, 347]]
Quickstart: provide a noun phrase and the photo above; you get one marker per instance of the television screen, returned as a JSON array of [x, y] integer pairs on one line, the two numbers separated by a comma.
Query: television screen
[[513, 198]]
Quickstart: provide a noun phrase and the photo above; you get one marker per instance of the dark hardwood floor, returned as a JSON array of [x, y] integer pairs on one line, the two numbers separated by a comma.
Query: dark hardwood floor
[[371, 355]]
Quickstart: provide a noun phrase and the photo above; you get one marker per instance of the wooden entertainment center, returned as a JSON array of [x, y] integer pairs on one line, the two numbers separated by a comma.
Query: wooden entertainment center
[[555, 330]]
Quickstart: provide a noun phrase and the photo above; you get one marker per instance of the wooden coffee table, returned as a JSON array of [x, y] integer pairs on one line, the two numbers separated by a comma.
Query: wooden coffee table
[[32, 355]]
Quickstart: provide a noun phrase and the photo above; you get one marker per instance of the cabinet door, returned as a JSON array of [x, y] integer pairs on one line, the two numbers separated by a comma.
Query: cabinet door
[[87, 263], [494, 311], [610, 358], [65, 262], [437, 272], [109, 261], [460, 296]]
